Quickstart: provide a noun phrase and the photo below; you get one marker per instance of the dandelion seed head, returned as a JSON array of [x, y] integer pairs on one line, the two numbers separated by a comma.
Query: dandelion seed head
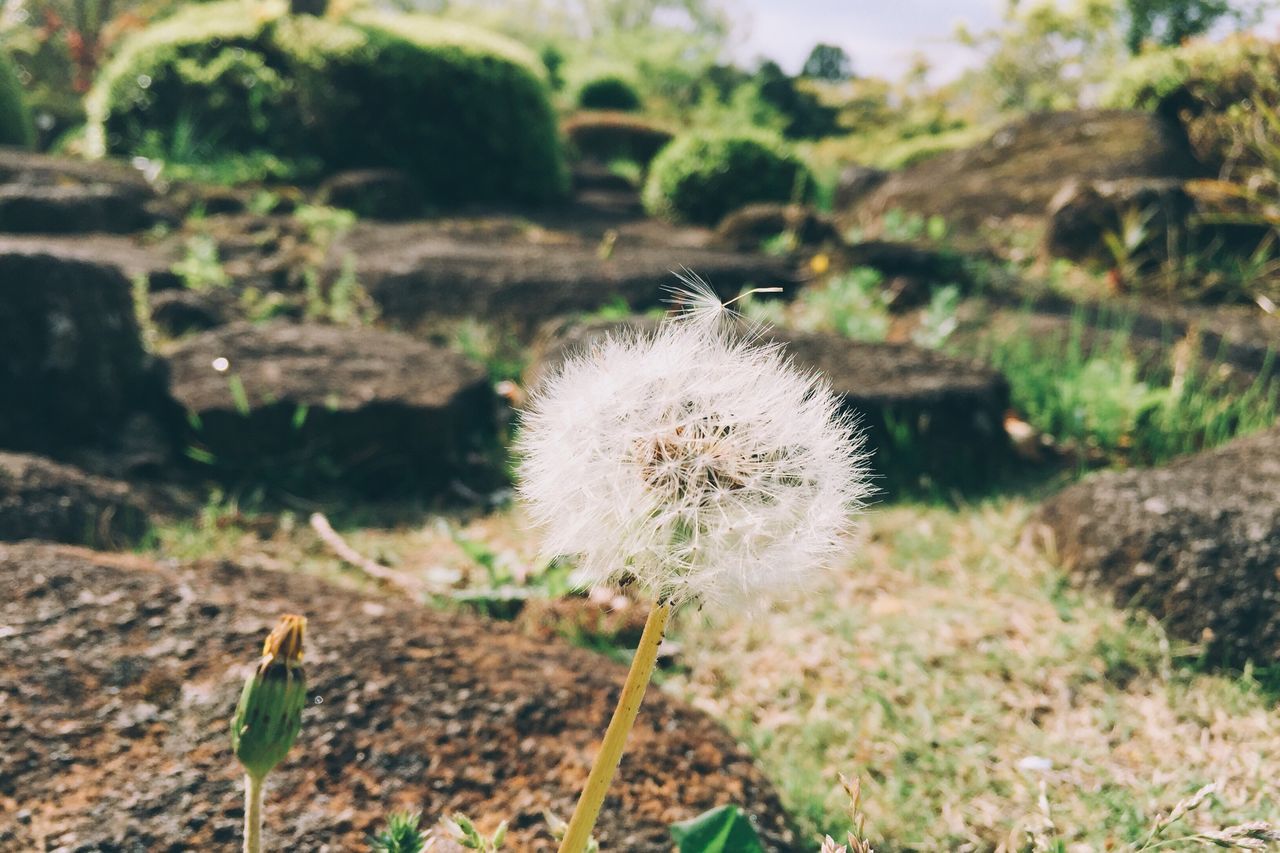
[[692, 460]]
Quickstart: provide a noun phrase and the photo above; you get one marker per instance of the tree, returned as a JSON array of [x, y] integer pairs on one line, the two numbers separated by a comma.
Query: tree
[[827, 62], [1171, 22]]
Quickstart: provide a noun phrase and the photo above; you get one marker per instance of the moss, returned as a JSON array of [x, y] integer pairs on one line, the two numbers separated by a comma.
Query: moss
[[463, 111], [609, 92], [699, 178], [15, 119]]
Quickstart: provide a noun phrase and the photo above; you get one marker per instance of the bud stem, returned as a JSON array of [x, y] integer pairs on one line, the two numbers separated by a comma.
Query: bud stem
[[578, 834], [252, 813]]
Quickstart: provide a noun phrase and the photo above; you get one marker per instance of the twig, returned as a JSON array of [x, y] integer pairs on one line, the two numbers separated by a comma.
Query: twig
[[351, 556]]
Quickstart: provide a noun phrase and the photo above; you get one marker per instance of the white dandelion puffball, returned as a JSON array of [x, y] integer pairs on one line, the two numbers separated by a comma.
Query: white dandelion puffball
[[698, 464]]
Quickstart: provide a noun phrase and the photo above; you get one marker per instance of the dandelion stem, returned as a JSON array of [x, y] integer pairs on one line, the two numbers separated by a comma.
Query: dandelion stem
[[252, 813], [578, 834]]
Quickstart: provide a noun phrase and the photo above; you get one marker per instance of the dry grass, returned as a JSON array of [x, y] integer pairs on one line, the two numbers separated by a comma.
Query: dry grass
[[950, 668]]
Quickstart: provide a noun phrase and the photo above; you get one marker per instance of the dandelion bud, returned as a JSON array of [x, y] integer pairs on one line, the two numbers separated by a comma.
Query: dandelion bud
[[269, 715]]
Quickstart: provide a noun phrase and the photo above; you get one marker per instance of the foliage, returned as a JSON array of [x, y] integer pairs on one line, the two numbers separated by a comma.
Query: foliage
[[403, 91], [1169, 23], [401, 834], [1097, 395], [724, 829], [15, 119], [607, 136], [827, 62], [851, 304], [1044, 55], [805, 117], [701, 177], [609, 92]]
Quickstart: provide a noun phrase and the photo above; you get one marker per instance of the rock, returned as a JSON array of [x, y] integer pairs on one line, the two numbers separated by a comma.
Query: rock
[[422, 271], [387, 194], [416, 707], [1082, 216], [854, 183], [179, 312], [124, 255], [1195, 542], [911, 271], [41, 499], [929, 419], [749, 226], [370, 410], [1021, 168], [40, 194], [72, 364]]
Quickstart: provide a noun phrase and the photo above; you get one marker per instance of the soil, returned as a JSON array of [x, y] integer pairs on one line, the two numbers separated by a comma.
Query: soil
[[118, 677]]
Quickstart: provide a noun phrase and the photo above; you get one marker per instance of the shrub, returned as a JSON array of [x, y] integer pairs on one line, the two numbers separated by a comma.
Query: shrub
[[610, 92], [701, 177], [15, 118], [607, 136], [1212, 87], [465, 112]]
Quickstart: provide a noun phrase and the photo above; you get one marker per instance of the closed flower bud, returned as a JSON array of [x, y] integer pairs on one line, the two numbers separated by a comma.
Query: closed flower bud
[[269, 715]]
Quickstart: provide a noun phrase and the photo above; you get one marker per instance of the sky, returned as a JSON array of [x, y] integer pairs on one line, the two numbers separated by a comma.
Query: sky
[[879, 35]]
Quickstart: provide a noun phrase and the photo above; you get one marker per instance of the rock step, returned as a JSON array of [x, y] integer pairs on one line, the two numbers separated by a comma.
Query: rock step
[[42, 499], [372, 410]]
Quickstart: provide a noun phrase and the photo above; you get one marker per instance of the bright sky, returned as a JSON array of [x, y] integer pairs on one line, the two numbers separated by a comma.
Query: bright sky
[[880, 35]]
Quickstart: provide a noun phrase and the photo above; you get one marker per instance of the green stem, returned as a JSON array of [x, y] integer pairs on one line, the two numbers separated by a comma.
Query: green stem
[[252, 813], [578, 834]]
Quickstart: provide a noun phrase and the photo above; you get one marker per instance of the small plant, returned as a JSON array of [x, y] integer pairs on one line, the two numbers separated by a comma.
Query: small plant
[[200, 268], [938, 320], [401, 835], [851, 304], [721, 470], [464, 832], [725, 829], [268, 717]]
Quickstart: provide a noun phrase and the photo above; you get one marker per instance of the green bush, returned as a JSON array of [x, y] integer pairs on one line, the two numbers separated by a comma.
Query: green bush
[[15, 118], [700, 178], [610, 92], [464, 111]]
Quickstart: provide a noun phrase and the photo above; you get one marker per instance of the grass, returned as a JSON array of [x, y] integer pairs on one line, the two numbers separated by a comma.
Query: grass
[[951, 667], [1091, 389]]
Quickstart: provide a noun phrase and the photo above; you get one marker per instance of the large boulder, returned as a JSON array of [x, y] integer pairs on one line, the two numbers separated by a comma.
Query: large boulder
[[1196, 543], [127, 256], [750, 225], [423, 271], [930, 420], [40, 194], [120, 676], [72, 363], [308, 403], [1020, 168], [41, 499]]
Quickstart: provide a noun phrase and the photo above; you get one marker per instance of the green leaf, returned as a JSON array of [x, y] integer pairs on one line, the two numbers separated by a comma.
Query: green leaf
[[725, 829]]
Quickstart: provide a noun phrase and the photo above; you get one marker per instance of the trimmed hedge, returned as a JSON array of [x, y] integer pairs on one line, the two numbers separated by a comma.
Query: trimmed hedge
[[610, 92], [606, 136], [15, 119], [462, 110], [699, 178]]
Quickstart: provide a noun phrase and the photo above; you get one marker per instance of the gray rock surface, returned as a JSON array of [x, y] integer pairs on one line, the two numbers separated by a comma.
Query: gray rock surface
[[1196, 543]]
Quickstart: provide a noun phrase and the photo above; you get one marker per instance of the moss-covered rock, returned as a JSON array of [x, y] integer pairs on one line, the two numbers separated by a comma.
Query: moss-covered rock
[[1213, 88], [609, 135], [699, 178], [15, 119], [464, 111]]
